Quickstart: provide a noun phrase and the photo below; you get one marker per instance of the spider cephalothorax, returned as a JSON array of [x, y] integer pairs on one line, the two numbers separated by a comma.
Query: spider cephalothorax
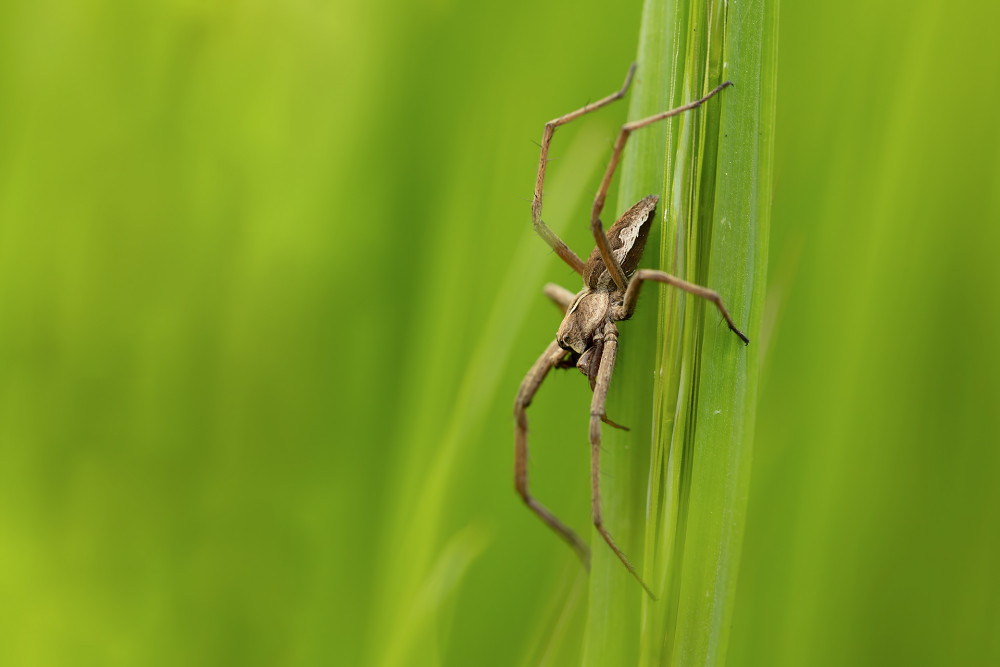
[[588, 337]]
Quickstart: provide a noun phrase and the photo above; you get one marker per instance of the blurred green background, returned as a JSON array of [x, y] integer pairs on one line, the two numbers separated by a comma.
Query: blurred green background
[[268, 286]]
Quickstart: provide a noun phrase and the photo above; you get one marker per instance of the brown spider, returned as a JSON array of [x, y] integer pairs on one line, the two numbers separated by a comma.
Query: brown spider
[[588, 337]]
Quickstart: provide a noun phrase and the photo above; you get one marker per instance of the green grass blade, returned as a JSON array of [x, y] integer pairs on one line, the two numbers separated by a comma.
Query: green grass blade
[[706, 419], [686, 384]]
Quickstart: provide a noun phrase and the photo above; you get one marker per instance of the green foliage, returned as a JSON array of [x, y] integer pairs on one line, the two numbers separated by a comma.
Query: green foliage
[[268, 285], [712, 169], [871, 536]]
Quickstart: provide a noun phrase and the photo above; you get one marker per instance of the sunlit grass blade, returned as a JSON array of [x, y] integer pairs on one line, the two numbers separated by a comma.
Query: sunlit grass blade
[[723, 184], [688, 384]]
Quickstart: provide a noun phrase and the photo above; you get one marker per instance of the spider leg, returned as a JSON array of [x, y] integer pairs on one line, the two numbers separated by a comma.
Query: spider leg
[[544, 230], [590, 365], [613, 424], [632, 295], [562, 296], [532, 381], [597, 410], [614, 268]]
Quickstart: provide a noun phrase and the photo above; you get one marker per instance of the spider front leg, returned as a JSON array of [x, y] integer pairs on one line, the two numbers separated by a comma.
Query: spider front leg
[[597, 415], [529, 386], [614, 268], [632, 296], [544, 230]]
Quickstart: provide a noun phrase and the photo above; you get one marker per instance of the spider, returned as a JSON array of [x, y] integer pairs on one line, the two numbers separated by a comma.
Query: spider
[[588, 337]]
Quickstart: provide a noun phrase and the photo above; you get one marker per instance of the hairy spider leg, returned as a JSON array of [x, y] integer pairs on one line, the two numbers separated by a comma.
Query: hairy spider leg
[[614, 268], [597, 415], [632, 296], [532, 381], [544, 230]]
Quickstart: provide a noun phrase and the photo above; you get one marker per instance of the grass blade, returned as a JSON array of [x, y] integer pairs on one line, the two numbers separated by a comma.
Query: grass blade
[[685, 384]]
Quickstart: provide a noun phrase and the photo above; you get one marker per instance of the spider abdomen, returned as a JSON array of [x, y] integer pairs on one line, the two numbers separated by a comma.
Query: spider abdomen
[[627, 238]]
